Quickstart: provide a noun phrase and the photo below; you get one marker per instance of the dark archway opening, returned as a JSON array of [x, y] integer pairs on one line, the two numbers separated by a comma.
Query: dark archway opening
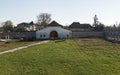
[[53, 35]]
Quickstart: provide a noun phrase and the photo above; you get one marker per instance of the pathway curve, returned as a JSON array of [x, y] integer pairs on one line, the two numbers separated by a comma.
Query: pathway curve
[[23, 47]]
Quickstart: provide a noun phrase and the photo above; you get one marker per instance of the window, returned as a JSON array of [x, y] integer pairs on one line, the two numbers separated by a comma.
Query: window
[[44, 35], [40, 35]]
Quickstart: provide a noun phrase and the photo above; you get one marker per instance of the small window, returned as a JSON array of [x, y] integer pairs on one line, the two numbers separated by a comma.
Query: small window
[[40, 35], [44, 35]]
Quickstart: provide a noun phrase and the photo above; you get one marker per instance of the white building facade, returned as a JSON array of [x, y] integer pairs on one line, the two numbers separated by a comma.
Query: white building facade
[[53, 31]]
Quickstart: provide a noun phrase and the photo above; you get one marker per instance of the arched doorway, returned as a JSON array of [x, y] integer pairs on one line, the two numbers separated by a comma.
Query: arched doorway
[[53, 35]]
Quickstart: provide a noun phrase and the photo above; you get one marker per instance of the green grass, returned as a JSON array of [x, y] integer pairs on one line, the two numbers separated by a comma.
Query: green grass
[[13, 44], [70, 57]]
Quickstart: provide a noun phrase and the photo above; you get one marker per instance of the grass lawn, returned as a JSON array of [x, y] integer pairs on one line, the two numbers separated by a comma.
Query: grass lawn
[[70, 57], [13, 44]]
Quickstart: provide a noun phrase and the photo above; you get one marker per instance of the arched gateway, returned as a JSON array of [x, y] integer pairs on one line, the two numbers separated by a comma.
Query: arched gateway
[[53, 35]]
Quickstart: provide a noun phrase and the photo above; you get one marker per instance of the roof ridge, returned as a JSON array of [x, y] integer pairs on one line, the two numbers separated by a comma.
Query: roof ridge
[[54, 23]]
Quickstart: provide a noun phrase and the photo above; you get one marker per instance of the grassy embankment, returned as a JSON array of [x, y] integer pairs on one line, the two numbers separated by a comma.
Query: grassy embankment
[[70, 57]]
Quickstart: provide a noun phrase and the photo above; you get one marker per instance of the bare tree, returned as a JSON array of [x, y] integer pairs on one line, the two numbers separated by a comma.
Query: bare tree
[[43, 19]]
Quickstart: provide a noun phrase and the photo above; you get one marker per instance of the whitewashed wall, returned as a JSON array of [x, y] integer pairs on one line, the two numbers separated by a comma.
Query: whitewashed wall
[[62, 33]]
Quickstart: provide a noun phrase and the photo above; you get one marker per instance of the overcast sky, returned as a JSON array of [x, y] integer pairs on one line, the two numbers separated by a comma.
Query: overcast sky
[[63, 11]]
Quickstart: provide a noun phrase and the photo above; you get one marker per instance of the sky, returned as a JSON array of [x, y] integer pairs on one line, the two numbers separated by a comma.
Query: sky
[[63, 11]]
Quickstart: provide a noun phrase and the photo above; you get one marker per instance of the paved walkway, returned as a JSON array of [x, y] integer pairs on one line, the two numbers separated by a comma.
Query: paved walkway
[[23, 47]]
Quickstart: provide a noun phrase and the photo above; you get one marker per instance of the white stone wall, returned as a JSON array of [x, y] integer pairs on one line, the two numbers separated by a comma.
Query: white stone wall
[[45, 33]]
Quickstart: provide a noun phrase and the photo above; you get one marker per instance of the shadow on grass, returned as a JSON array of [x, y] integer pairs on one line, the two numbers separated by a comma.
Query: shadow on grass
[[62, 40]]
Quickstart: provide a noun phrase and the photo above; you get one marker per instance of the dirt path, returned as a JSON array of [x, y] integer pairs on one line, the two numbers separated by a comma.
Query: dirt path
[[23, 47]]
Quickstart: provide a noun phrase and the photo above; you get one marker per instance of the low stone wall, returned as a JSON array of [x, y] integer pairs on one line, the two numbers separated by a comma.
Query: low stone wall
[[18, 35], [32, 35], [113, 36], [6, 35], [87, 34]]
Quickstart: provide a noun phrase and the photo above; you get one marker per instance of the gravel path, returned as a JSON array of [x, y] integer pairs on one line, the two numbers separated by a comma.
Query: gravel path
[[23, 47]]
